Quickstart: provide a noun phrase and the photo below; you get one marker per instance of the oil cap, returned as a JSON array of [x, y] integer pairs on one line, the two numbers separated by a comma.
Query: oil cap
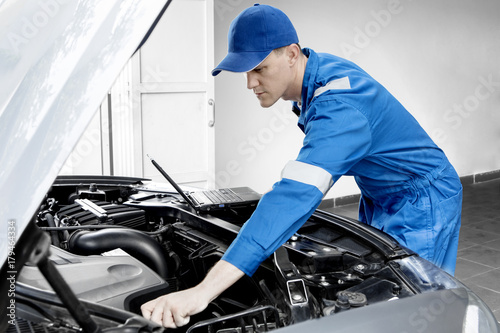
[[355, 299]]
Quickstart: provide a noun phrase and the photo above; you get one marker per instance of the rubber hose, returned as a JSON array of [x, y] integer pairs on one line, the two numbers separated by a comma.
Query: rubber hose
[[134, 242], [54, 235]]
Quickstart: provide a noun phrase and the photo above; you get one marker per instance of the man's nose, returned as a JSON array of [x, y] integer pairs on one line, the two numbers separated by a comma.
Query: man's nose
[[252, 81]]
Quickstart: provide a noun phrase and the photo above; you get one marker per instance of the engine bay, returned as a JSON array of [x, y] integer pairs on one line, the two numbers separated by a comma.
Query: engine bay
[[121, 242]]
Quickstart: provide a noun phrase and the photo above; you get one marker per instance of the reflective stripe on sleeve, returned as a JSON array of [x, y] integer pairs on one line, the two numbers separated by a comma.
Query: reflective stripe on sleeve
[[308, 174], [342, 83]]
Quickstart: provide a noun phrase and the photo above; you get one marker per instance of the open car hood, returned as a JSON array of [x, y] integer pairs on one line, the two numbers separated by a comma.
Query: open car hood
[[57, 59]]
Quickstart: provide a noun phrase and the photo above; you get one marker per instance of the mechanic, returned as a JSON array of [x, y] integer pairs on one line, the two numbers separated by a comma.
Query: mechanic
[[353, 126]]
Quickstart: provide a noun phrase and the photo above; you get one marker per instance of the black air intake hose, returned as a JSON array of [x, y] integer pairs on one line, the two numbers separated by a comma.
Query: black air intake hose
[[135, 243]]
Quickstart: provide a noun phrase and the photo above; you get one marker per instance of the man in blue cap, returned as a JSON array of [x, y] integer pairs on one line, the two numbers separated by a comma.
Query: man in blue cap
[[353, 126]]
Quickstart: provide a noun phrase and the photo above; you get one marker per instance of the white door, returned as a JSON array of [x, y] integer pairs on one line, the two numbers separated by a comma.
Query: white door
[[161, 104], [173, 96]]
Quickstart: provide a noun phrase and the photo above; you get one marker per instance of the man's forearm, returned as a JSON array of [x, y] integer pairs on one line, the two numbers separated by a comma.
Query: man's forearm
[[219, 278]]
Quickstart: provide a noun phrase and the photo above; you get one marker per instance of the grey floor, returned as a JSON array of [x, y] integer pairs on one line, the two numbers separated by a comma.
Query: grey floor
[[478, 262]]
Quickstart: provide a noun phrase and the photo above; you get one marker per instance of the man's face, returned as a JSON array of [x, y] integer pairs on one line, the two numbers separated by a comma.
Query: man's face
[[271, 79]]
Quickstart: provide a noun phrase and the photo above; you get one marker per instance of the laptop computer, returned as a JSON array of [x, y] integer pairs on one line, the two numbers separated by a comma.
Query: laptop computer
[[210, 200]]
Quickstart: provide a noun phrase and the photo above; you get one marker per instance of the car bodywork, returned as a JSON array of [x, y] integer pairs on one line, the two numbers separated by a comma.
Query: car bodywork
[[58, 60], [334, 271]]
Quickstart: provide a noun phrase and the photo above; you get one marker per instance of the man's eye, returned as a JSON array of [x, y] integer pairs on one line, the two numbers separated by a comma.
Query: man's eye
[[257, 70]]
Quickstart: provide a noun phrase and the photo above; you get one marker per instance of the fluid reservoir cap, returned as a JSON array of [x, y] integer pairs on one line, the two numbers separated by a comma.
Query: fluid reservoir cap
[[354, 298]]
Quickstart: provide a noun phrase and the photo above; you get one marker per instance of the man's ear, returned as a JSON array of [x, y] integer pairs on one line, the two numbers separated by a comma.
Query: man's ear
[[293, 52]]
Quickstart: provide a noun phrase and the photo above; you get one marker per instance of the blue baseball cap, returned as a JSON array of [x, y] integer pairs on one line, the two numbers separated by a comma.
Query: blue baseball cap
[[253, 34]]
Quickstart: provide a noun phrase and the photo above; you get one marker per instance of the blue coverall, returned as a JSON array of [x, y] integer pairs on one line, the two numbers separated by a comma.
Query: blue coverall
[[354, 126]]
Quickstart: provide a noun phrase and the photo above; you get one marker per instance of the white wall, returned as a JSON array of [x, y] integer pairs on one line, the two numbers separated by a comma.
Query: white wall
[[439, 58]]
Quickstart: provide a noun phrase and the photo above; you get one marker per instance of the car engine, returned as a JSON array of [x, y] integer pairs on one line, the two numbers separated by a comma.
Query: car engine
[[120, 242]]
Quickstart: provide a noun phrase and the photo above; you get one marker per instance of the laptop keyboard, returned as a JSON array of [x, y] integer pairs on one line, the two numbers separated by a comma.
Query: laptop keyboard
[[222, 195]]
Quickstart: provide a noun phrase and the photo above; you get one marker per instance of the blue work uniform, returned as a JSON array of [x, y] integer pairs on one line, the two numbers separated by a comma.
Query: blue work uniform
[[354, 126]]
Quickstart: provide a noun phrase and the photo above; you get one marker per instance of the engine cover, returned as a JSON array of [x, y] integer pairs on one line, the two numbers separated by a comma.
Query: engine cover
[[118, 281], [103, 212]]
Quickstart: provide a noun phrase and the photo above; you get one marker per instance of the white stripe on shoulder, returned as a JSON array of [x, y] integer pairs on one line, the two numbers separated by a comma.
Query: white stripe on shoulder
[[342, 83], [308, 174]]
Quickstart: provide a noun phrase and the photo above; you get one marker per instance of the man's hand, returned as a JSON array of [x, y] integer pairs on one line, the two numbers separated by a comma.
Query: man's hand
[[175, 309]]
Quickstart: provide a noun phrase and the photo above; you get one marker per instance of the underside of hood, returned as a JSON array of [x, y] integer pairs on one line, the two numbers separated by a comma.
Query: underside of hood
[[57, 59]]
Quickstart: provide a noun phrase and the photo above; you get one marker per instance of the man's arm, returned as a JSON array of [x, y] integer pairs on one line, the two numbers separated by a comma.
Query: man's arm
[[174, 310]]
